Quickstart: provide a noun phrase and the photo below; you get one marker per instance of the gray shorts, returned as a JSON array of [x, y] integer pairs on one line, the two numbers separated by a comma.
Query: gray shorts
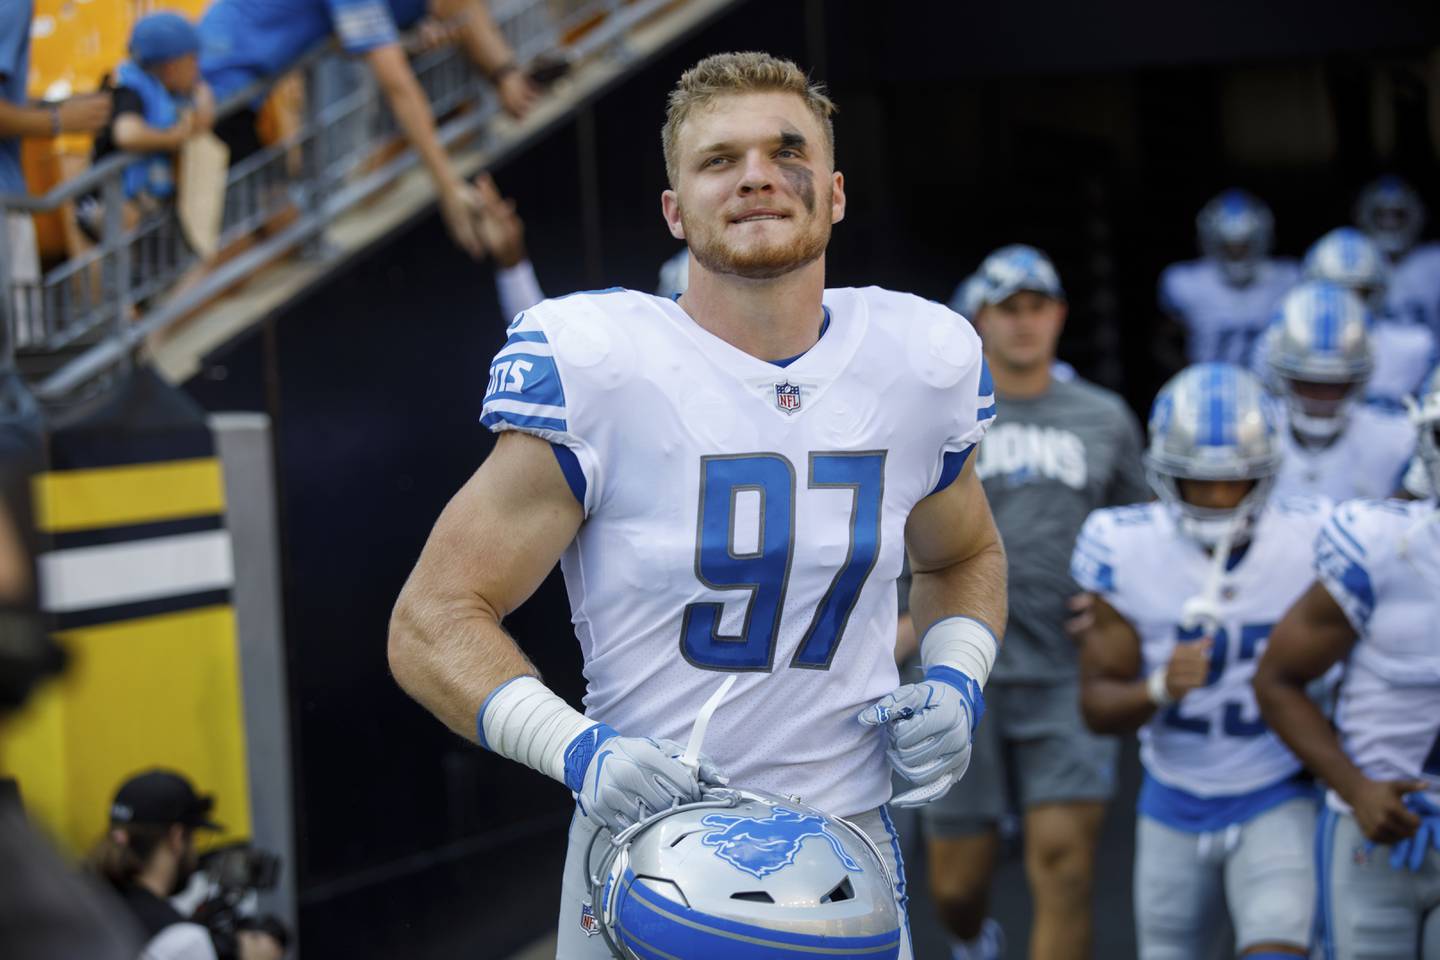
[[1032, 736], [580, 940], [1264, 869], [1368, 909]]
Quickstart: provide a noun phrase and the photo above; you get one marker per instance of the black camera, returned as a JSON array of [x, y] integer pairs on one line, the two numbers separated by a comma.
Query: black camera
[[234, 873]]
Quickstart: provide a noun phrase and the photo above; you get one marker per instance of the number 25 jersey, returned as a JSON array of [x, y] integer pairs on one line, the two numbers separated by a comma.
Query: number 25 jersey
[[1213, 741], [745, 517]]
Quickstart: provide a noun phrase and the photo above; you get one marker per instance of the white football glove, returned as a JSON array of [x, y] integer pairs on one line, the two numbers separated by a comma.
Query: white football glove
[[931, 725], [626, 779]]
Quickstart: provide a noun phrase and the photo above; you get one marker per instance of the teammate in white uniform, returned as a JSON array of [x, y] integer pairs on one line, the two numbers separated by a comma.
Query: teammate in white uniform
[[730, 481], [1187, 589], [1374, 606], [1319, 358], [1404, 349], [1391, 213], [1224, 299]]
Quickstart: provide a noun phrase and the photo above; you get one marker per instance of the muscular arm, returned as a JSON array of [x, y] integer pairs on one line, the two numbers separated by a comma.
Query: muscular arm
[[491, 548], [1313, 636], [957, 561], [1113, 694]]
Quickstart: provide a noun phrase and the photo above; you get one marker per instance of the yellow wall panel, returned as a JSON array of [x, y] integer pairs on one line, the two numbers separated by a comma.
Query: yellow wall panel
[[155, 691], [71, 500], [32, 749]]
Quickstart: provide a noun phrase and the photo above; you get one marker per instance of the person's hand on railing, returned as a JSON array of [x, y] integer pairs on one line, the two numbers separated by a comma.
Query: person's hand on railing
[[462, 209], [501, 228], [517, 92], [88, 113]]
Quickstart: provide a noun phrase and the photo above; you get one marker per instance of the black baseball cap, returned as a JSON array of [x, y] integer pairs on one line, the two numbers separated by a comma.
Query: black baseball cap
[[161, 797]]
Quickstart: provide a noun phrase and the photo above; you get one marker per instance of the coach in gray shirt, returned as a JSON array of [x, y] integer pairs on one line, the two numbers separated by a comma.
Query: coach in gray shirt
[[1058, 450]]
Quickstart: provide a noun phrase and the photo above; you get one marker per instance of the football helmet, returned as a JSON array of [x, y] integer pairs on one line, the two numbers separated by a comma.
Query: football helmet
[[1236, 230], [743, 874], [1319, 357], [674, 275], [1391, 213], [1213, 421], [1425, 414], [1351, 259]]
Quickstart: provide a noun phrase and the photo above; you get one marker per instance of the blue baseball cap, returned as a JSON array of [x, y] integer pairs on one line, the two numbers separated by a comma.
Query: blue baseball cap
[[1012, 269], [162, 36]]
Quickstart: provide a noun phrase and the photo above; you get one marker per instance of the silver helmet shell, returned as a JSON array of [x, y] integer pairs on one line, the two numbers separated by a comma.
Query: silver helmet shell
[[744, 873], [1213, 421], [1425, 414], [674, 275], [1347, 257], [1391, 213], [1236, 230], [1320, 335]]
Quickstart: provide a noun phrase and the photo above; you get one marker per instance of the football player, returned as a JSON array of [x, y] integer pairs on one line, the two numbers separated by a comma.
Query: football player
[[1060, 450], [729, 481], [1318, 358], [1391, 213], [1404, 349], [1374, 605], [1224, 299], [1187, 589]]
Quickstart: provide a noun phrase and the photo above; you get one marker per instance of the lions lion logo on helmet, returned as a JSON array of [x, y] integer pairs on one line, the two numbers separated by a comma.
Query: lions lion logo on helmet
[[762, 846]]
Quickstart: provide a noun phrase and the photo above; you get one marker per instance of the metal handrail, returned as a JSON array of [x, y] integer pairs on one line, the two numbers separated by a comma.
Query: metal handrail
[[107, 300]]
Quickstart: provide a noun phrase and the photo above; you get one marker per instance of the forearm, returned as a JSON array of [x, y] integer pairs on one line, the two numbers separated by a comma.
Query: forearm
[[143, 138], [484, 43], [411, 110], [1295, 719], [1115, 706], [449, 656], [973, 587], [18, 121]]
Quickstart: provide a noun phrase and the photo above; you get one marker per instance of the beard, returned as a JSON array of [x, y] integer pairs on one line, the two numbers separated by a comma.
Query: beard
[[759, 260]]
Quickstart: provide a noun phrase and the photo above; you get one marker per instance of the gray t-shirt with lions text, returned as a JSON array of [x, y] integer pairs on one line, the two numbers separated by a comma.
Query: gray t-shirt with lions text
[[1046, 462]]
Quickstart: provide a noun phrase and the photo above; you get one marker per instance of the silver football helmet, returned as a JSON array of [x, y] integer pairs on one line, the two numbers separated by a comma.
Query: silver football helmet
[[1236, 230], [1347, 257], [1319, 357], [1425, 414], [1213, 421], [674, 275], [743, 871], [1391, 212]]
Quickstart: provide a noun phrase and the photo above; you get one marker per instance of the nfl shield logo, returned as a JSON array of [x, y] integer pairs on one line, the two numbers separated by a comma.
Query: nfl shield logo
[[787, 396], [588, 923]]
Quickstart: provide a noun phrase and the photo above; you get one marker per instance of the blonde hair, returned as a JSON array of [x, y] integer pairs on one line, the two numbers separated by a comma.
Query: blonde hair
[[730, 74]]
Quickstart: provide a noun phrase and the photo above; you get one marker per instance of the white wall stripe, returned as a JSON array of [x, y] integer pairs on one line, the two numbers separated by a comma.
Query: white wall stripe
[[116, 573]]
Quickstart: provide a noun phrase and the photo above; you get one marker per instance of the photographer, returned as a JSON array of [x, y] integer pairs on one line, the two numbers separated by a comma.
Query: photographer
[[149, 855]]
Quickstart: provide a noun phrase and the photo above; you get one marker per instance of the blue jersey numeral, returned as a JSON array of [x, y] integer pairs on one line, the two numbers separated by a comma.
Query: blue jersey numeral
[[765, 571], [1232, 712]]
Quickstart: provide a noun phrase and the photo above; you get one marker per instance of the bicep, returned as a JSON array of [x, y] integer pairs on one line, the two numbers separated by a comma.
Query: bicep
[[502, 533], [951, 525], [1312, 637], [1110, 647]]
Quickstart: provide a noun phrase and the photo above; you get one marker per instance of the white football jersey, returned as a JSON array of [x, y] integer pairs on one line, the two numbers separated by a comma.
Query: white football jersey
[[1414, 293], [1380, 560], [743, 517], [1223, 321], [1404, 354], [1367, 460], [1213, 742]]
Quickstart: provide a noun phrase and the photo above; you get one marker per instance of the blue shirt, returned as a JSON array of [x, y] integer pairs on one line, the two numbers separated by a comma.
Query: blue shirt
[[243, 40], [14, 70]]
